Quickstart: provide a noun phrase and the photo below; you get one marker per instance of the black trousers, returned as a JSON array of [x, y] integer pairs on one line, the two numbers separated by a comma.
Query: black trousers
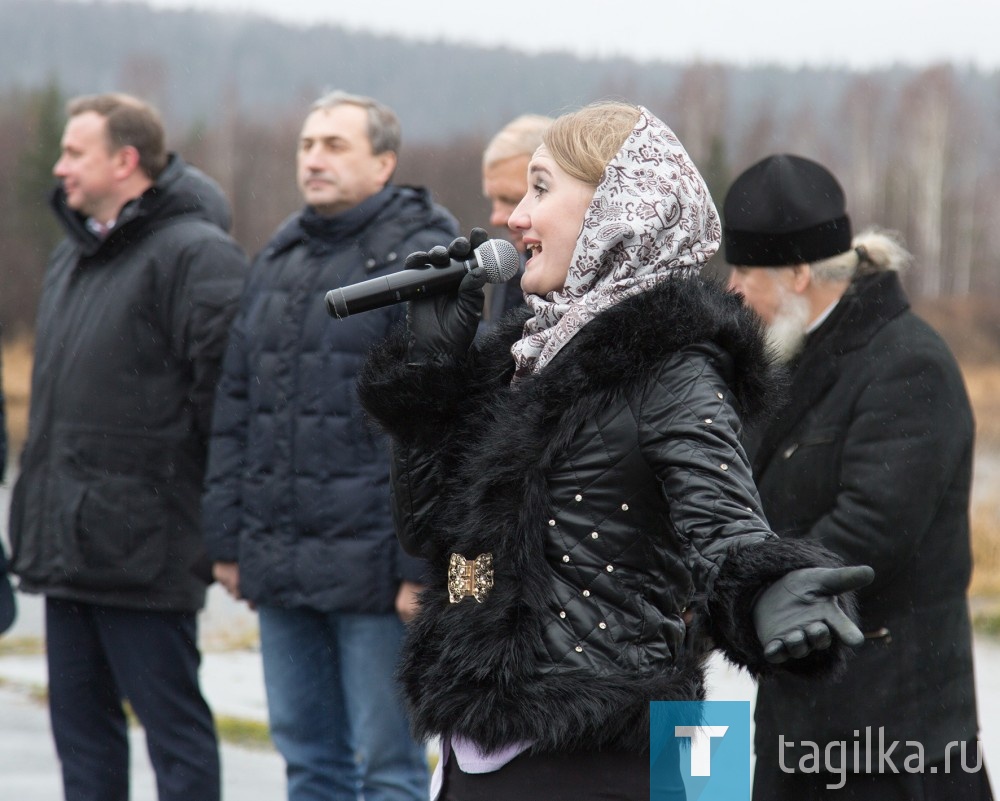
[[930, 785], [576, 776], [99, 656]]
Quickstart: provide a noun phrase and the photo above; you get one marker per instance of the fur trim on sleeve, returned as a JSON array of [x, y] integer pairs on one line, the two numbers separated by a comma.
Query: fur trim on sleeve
[[747, 570], [413, 403]]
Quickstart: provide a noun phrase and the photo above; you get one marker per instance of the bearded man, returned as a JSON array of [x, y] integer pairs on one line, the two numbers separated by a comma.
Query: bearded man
[[871, 456]]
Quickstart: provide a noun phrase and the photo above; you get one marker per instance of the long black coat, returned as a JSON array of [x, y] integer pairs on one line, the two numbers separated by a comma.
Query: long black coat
[[3, 430], [298, 483], [6, 598], [872, 457], [612, 492], [129, 340]]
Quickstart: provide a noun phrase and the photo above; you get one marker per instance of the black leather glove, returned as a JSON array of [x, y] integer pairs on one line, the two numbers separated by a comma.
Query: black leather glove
[[442, 327], [799, 613]]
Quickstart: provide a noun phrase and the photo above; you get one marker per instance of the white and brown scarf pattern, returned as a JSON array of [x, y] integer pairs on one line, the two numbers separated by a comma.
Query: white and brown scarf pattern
[[652, 219]]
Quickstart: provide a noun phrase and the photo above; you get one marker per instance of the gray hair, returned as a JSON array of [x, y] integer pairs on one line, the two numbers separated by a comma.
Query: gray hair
[[873, 250], [384, 131], [519, 137]]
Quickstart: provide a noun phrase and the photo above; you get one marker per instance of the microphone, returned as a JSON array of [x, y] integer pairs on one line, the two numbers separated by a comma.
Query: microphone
[[497, 257]]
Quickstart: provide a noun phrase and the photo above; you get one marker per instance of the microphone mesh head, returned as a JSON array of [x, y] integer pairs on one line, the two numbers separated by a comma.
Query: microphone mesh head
[[499, 260]]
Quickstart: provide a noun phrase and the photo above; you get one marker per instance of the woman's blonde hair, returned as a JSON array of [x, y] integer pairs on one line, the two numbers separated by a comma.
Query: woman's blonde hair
[[583, 142]]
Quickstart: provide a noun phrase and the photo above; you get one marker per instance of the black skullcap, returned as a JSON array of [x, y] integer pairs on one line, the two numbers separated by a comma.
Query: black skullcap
[[785, 210]]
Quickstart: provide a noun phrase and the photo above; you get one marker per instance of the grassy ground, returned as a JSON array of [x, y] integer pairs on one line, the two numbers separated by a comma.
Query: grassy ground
[[16, 389], [983, 382]]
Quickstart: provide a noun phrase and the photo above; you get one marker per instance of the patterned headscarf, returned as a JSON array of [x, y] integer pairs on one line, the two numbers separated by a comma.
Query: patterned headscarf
[[652, 219]]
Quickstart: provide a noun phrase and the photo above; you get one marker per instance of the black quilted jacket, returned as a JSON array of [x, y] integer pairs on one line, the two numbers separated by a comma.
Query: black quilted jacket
[[129, 339], [612, 492]]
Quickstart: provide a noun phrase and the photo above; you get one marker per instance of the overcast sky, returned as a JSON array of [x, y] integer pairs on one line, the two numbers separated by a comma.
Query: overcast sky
[[855, 33]]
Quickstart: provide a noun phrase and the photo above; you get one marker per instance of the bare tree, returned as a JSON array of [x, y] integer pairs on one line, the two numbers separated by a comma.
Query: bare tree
[[452, 171], [30, 129], [861, 126], [698, 109], [923, 130], [147, 76], [756, 139]]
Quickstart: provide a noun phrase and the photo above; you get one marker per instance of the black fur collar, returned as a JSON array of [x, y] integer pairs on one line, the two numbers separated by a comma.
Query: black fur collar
[[621, 346]]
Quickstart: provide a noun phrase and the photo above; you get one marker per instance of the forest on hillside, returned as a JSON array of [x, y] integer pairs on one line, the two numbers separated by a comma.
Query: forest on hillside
[[918, 151]]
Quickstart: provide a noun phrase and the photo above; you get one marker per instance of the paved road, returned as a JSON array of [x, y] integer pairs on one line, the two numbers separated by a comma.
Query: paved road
[[29, 770], [231, 679]]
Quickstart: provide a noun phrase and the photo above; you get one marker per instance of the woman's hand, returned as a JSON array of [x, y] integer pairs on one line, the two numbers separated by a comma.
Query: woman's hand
[[799, 613], [442, 327]]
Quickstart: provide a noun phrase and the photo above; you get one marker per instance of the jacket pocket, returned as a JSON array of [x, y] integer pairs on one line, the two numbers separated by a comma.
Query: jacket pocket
[[815, 441], [111, 536]]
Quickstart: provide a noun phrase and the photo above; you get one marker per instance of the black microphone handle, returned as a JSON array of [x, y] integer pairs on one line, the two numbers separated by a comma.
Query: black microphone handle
[[387, 290]]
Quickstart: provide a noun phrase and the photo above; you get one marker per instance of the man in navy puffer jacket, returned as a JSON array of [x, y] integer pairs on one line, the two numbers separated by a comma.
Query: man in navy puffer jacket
[[296, 511]]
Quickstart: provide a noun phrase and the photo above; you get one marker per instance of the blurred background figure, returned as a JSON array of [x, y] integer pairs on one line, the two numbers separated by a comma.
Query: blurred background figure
[[296, 511], [505, 182], [8, 606], [104, 522], [871, 456]]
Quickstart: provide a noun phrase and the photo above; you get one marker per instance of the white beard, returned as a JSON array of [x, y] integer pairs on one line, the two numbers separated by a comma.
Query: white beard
[[787, 333]]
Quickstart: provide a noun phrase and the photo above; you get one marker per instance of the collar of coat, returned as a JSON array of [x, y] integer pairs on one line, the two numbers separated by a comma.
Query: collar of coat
[[180, 191], [375, 226], [871, 301], [623, 344], [617, 349]]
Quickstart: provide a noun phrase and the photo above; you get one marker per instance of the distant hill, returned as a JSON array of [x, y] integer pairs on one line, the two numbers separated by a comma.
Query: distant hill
[[193, 63], [917, 150]]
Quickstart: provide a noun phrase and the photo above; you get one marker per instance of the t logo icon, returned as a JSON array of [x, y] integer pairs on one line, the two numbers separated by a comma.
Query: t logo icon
[[701, 746], [715, 735]]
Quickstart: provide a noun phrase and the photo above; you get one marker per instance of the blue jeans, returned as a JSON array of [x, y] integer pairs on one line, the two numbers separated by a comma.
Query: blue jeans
[[335, 712]]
